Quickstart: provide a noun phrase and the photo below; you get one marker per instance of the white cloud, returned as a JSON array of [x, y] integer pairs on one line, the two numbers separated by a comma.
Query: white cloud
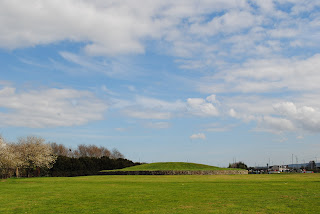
[[200, 107], [49, 107], [113, 67], [228, 23], [212, 99], [216, 127], [150, 108], [131, 88], [286, 108], [152, 103], [305, 117], [274, 115], [300, 137], [107, 90], [147, 114], [276, 125], [109, 27], [232, 113], [304, 6], [241, 106], [49, 21], [267, 75], [157, 125], [121, 129], [199, 33], [198, 136], [281, 33], [266, 5]]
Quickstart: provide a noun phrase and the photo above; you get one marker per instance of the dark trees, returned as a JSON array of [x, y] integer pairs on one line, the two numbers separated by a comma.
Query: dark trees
[[238, 165]]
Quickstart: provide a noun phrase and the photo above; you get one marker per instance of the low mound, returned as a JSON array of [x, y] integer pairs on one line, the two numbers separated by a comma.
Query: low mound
[[172, 166]]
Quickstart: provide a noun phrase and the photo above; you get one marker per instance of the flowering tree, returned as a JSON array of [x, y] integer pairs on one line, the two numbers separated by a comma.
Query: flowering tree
[[34, 153], [30, 153], [7, 159]]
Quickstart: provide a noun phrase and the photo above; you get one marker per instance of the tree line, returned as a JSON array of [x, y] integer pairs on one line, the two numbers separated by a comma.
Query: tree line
[[85, 151], [86, 160], [32, 156]]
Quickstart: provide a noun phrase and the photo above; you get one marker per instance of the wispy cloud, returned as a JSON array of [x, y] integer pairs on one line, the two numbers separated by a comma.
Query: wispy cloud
[[152, 108], [157, 125], [149, 114], [267, 75], [49, 107], [119, 68], [111, 29], [216, 127], [201, 107], [201, 136]]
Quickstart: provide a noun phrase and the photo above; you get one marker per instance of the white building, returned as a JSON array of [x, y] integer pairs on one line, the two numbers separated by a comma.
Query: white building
[[279, 168]]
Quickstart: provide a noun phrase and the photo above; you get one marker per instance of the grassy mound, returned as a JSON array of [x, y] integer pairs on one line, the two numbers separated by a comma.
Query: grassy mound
[[172, 166]]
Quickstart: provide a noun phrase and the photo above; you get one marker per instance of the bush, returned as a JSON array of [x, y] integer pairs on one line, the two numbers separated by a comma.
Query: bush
[[70, 166], [238, 165]]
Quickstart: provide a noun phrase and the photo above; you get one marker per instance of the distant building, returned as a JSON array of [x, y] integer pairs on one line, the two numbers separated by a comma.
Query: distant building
[[279, 168], [312, 165], [258, 170]]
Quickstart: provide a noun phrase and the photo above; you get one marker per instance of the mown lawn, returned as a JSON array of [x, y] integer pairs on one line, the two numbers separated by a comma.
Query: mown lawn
[[277, 193]]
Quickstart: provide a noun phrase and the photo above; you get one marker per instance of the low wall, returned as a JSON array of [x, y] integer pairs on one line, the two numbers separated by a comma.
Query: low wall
[[202, 172]]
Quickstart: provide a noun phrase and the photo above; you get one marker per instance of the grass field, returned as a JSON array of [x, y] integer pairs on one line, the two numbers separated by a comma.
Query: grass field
[[277, 193], [175, 166]]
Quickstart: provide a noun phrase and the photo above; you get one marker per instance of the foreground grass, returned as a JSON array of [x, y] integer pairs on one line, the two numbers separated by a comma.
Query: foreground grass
[[175, 166], [281, 193]]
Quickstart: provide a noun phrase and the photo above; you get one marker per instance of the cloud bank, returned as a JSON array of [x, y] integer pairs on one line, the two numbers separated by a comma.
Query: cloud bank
[[49, 107], [260, 58]]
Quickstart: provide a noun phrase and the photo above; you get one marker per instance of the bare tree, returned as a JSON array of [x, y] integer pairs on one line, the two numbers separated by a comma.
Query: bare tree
[[91, 151], [75, 154], [60, 149], [115, 154], [105, 152], [98, 152], [82, 149]]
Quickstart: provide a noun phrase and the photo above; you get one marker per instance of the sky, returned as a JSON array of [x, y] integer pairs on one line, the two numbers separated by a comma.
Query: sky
[[203, 81]]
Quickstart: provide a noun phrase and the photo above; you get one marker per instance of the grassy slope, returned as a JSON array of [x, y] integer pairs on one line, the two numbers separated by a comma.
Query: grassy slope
[[165, 166], [281, 193]]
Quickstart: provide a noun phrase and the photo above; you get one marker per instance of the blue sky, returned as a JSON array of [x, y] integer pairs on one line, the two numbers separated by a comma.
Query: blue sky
[[200, 81]]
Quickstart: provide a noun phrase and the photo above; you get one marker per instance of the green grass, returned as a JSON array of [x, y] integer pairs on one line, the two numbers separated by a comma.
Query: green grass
[[277, 193], [175, 166]]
